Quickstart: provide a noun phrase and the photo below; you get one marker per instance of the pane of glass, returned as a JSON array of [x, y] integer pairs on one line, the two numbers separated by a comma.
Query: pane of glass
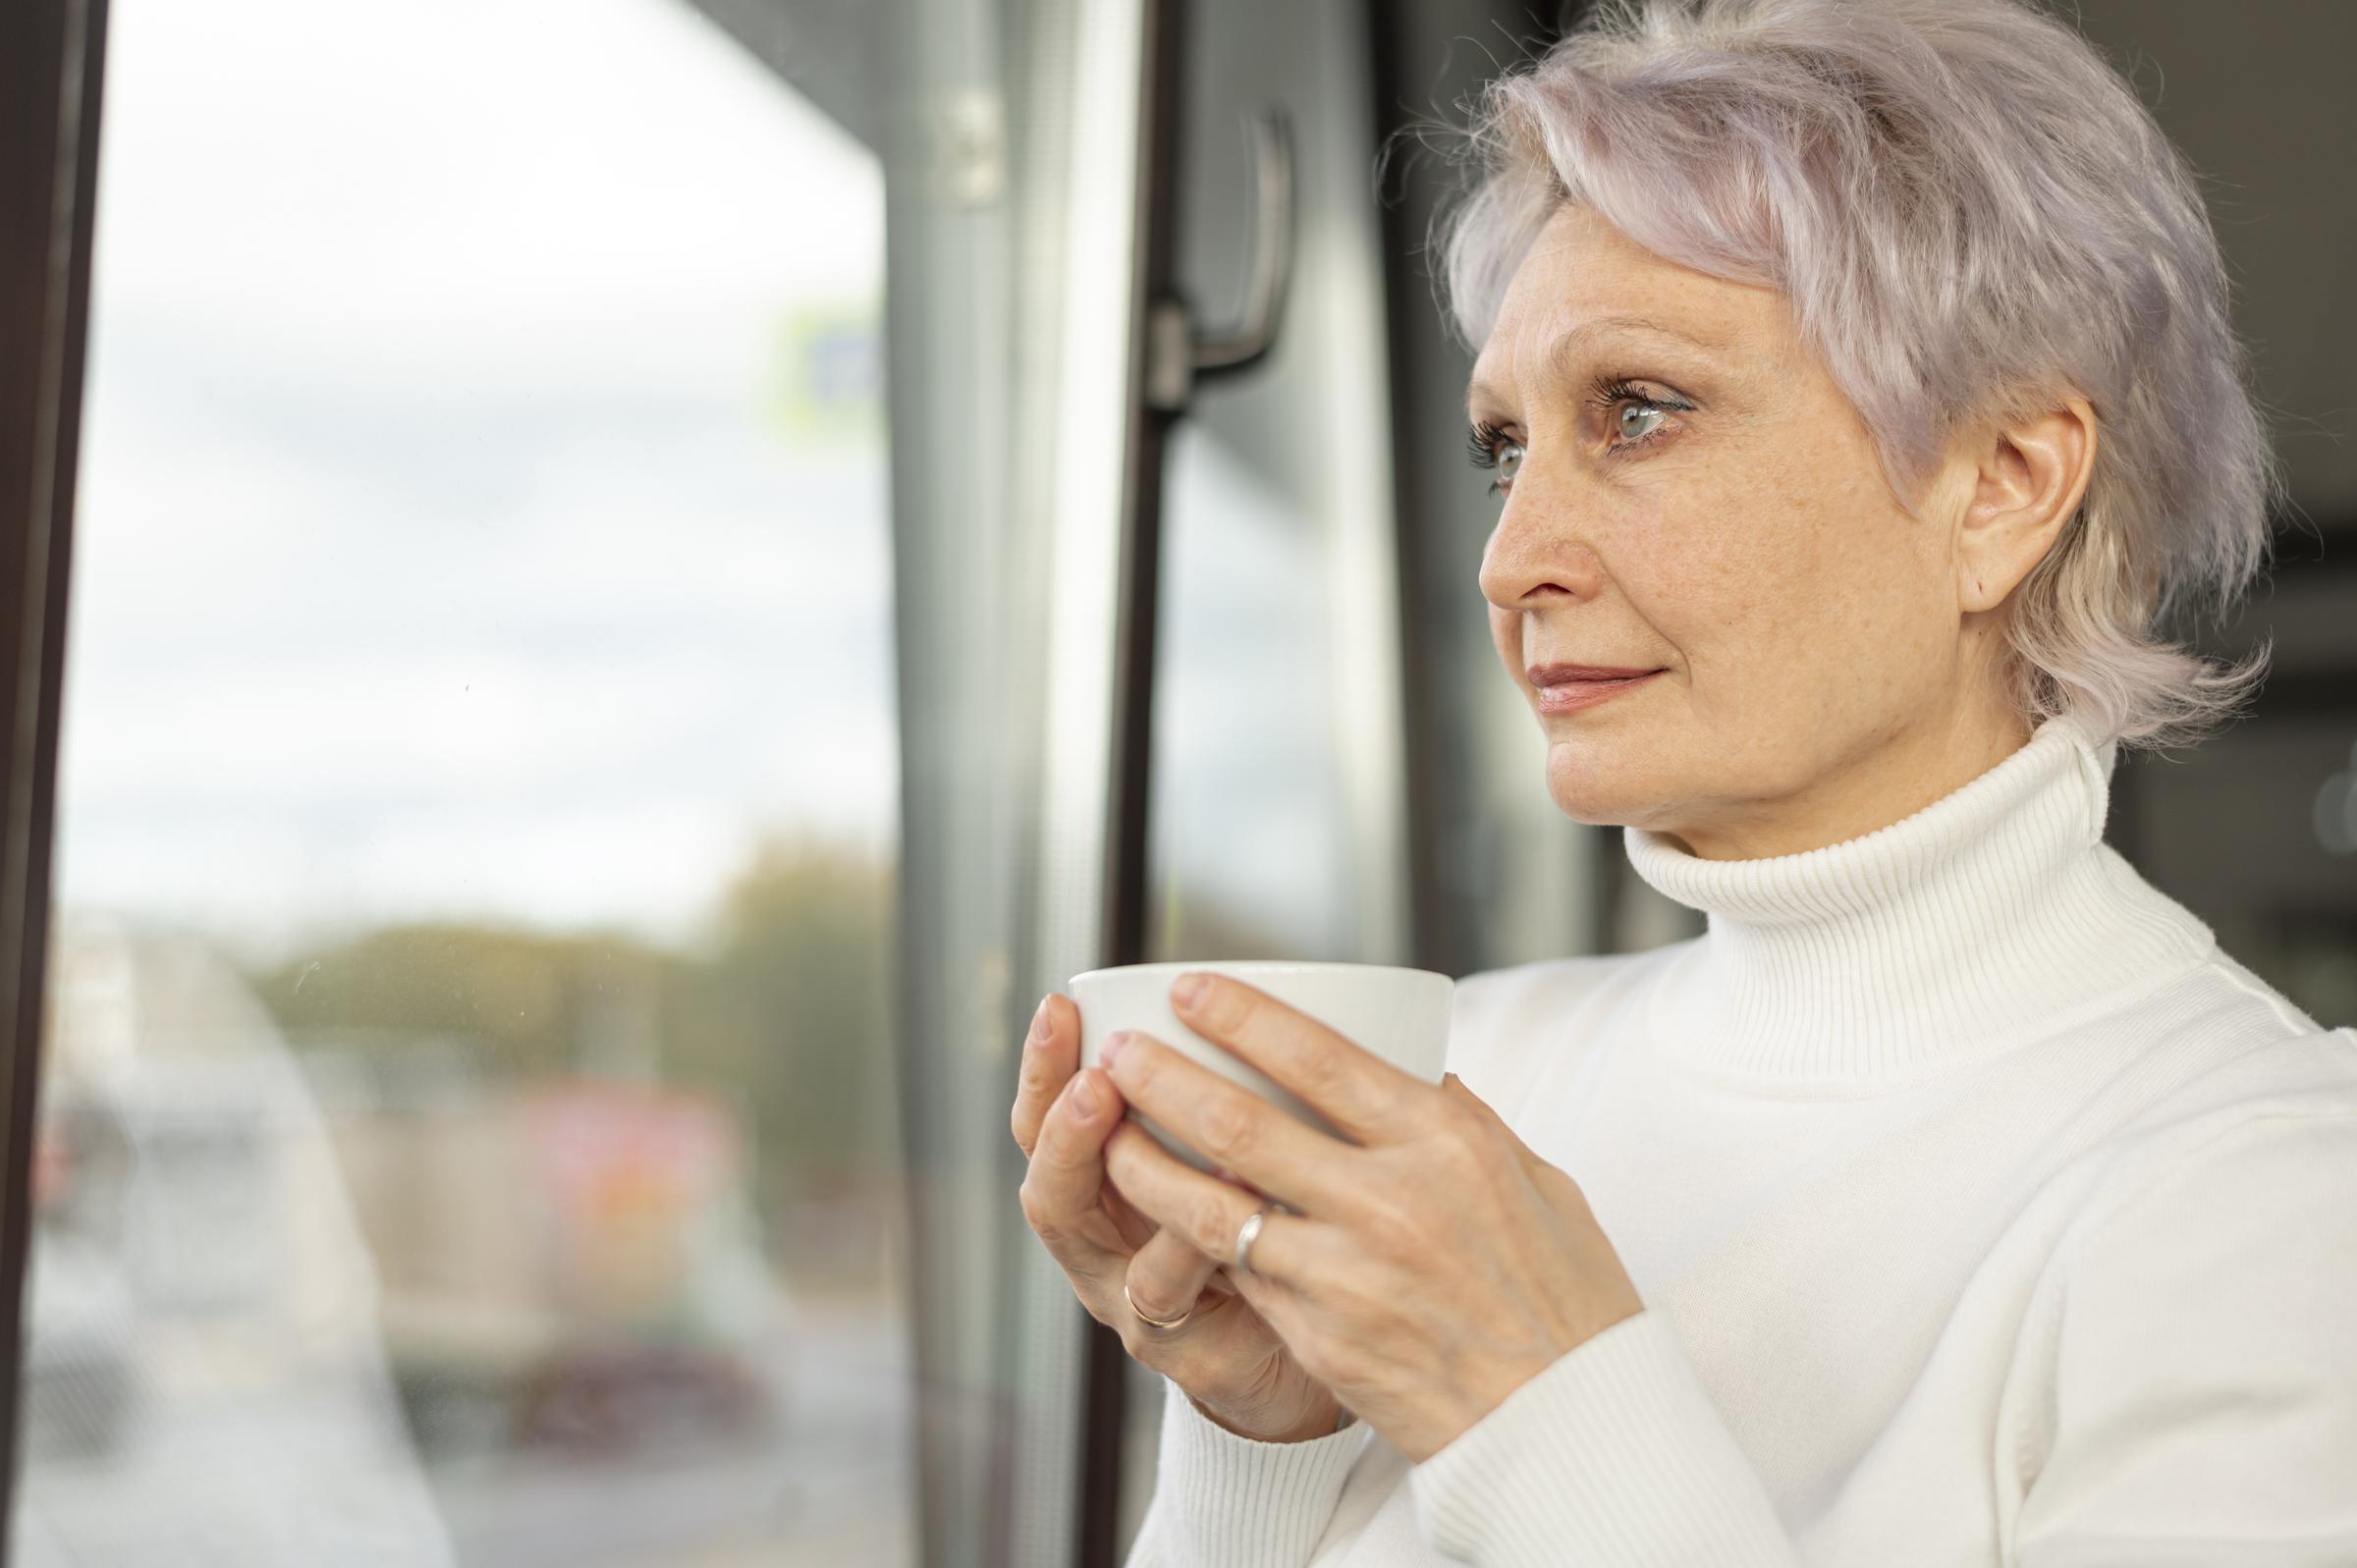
[[1252, 854], [1278, 825], [469, 1129]]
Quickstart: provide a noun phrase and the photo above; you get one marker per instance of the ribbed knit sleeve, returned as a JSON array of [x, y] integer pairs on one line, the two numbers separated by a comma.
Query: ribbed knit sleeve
[[1225, 1501], [1614, 1457]]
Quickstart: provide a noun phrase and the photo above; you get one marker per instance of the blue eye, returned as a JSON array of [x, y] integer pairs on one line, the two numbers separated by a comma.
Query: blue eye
[[1509, 464], [1636, 408], [1634, 412], [1490, 448]]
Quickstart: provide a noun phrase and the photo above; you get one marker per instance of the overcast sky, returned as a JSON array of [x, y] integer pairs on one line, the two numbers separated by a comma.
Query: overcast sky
[[441, 551], [441, 548]]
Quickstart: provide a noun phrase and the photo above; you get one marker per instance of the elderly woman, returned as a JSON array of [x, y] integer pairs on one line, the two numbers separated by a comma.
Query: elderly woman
[[1859, 387]]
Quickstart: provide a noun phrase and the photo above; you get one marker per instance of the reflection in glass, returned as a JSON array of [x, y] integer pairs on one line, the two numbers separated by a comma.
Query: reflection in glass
[[468, 1130], [1253, 857]]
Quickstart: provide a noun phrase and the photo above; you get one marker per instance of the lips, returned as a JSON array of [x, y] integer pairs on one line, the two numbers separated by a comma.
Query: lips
[[1544, 676], [1562, 694]]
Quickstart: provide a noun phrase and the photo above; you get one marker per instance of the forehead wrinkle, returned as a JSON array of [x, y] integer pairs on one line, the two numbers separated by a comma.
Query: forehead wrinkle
[[1558, 354]]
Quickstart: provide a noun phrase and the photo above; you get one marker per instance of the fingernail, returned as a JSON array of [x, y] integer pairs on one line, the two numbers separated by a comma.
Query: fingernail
[[1189, 989], [1039, 1020], [1112, 1048], [1085, 1098]]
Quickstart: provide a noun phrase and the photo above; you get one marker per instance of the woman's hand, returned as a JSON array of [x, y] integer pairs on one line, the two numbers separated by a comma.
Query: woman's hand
[[1425, 1272], [1225, 1356]]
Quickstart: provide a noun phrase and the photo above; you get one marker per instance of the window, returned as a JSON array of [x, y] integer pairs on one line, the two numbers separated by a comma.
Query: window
[[469, 1122]]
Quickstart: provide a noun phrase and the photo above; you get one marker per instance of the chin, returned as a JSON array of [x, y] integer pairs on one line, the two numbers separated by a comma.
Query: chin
[[1599, 796]]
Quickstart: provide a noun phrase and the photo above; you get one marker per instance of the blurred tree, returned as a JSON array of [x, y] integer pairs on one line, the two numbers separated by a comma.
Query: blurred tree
[[783, 1012], [523, 998], [791, 1013]]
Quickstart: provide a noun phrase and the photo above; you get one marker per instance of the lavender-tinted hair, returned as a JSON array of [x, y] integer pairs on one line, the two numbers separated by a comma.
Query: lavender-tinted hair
[[1968, 211]]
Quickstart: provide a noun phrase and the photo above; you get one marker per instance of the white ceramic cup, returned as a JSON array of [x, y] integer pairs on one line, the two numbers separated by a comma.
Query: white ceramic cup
[[1400, 1016]]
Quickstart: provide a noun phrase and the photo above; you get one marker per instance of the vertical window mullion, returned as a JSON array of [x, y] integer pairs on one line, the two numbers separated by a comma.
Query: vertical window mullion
[[51, 61]]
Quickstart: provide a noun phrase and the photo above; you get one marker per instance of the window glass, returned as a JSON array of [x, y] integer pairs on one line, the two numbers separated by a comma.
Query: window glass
[[469, 1123], [1278, 825]]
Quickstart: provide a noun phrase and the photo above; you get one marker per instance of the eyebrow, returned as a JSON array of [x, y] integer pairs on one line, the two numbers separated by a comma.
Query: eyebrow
[[1562, 350]]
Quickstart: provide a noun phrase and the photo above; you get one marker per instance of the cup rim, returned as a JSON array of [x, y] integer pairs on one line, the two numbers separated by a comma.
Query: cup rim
[[1255, 965]]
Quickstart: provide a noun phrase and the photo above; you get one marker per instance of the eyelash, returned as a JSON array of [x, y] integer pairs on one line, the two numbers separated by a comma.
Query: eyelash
[[1606, 393]]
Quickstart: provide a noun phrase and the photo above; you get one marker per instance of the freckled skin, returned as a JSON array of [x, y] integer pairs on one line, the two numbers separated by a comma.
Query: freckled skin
[[1831, 660]]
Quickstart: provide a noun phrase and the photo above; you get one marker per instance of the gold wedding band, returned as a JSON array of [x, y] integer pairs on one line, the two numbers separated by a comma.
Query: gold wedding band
[[1159, 1323]]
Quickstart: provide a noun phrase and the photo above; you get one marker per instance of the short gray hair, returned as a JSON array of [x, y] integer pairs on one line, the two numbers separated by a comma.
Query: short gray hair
[[1969, 211]]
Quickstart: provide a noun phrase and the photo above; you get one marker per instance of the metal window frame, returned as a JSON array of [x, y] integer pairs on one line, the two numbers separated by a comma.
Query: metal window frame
[[52, 57], [1023, 581], [1127, 874]]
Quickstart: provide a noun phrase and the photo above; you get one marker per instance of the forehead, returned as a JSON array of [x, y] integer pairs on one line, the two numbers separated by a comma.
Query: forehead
[[1585, 282]]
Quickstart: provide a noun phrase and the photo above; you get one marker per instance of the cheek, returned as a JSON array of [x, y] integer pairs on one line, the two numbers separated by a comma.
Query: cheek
[[1747, 581], [1821, 591], [1706, 592]]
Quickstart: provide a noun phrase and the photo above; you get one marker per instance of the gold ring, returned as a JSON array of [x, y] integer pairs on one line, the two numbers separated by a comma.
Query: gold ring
[[1158, 1322]]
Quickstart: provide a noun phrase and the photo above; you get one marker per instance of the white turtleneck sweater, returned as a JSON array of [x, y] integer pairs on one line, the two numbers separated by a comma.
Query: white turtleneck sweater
[[1984, 1211]]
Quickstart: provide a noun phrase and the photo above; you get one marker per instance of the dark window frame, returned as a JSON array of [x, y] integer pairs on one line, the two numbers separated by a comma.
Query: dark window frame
[[52, 57]]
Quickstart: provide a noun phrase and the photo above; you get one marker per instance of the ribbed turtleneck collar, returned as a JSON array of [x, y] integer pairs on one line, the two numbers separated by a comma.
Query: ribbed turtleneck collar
[[1988, 915]]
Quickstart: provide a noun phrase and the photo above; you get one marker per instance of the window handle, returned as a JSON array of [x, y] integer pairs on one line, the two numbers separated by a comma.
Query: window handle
[[1179, 354]]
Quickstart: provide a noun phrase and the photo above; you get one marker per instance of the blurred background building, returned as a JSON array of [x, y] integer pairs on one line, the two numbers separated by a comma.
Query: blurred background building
[[647, 574]]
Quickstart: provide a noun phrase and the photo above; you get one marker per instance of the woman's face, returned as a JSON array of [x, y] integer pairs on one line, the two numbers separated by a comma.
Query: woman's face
[[1687, 490]]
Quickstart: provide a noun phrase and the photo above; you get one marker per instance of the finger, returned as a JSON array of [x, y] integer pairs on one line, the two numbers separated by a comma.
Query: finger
[[1135, 1228], [1278, 1304], [1051, 1050], [1207, 1214], [1358, 1092], [1059, 1190], [1166, 1275], [1232, 1126]]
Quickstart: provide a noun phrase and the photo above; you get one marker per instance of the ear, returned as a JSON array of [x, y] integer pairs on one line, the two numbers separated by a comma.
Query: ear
[[2030, 474]]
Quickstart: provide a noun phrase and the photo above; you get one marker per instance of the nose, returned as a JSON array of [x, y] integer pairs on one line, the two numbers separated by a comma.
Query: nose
[[1536, 556]]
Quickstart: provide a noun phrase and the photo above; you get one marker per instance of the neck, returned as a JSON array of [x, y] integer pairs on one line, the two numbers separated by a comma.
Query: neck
[[1891, 782], [1977, 921]]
